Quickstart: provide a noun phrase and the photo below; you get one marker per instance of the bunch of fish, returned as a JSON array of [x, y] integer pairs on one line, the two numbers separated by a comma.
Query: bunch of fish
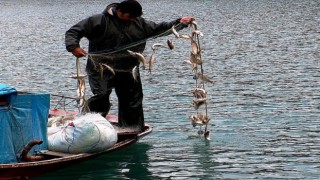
[[81, 87], [151, 62], [103, 67], [200, 95]]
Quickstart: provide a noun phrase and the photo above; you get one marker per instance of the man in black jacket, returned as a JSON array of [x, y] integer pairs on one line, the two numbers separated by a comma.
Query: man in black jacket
[[119, 28]]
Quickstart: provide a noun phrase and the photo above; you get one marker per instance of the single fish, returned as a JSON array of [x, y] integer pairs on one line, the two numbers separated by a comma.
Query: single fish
[[59, 120], [75, 76], [81, 88], [193, 65], [81, 91], [156, 46], [204, 77], [199, 119], [194, 47], [199, 93], [204, 118], [151, 62], [194, 23], [185, 36], [140, 57], [170, 44], [197, 32], [188, 62], [174, 31], [195, 120], [194, 58], [110, 69], [207, 135], [135, 73], [198, 102]]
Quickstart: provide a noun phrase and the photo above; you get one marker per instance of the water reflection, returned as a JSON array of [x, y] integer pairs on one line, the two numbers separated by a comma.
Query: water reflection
[[204, 154]]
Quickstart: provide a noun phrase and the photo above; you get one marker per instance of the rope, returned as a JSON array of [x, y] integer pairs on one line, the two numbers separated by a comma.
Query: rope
[[107, 52]]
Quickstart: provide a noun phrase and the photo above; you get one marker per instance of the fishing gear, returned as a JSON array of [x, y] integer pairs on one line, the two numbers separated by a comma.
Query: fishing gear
[[201, 118]]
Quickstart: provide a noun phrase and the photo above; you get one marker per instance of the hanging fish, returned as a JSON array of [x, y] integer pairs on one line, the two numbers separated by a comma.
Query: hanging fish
[[135, 73], [81, 88], [194, 47], [185, 36], [195, 120], [194, 66], [194, 23], [110, 69], [151, 62], [198, 102], [199, 119], [81, 91], [197, 32], [174, 31], [106, 67], [170, 44], [204, 77], [194, 58], [207, 135], [204, 118], [156, 46], [199, 93], [140, 57]]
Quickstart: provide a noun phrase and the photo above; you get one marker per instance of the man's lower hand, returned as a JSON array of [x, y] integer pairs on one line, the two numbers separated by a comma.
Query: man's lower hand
[[79, 52]]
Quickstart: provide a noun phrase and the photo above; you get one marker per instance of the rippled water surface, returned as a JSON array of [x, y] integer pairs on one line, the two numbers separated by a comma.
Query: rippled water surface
[[264, 106]]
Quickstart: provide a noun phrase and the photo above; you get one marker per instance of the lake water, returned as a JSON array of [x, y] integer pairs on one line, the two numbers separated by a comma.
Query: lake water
[[264, 107]]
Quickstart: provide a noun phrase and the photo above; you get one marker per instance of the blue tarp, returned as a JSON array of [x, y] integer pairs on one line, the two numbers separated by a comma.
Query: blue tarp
[[7, 90], [7, 93], [22, 120]]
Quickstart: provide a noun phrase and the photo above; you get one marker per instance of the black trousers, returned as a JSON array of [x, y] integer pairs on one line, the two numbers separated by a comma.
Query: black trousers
[[129, 92]]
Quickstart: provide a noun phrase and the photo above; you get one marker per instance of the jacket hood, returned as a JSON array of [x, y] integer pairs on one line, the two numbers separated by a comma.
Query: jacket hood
[[110, 9]]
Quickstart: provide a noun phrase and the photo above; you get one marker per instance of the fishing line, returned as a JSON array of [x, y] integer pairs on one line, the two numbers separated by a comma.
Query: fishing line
[[107, 52]]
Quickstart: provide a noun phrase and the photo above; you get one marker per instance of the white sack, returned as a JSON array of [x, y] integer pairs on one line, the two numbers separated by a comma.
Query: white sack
[[87, 133]]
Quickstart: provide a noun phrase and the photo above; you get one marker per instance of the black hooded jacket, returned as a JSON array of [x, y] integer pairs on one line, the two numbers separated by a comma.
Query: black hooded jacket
[[107, 33]]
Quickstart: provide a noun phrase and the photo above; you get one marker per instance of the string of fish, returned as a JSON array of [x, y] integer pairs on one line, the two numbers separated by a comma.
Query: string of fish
[[81, 87], [200, 95]]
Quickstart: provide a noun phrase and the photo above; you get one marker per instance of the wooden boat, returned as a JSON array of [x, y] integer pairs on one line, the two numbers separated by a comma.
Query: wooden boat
[[56, 160]]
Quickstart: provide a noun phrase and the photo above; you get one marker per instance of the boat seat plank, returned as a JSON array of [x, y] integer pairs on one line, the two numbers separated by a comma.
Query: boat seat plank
[[58, 154]]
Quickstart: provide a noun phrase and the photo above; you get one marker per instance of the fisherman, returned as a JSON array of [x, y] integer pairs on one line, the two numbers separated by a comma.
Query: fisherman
[[111, 34]]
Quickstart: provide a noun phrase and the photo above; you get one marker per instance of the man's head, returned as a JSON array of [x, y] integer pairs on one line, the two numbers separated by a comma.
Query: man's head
[[128, 10]]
